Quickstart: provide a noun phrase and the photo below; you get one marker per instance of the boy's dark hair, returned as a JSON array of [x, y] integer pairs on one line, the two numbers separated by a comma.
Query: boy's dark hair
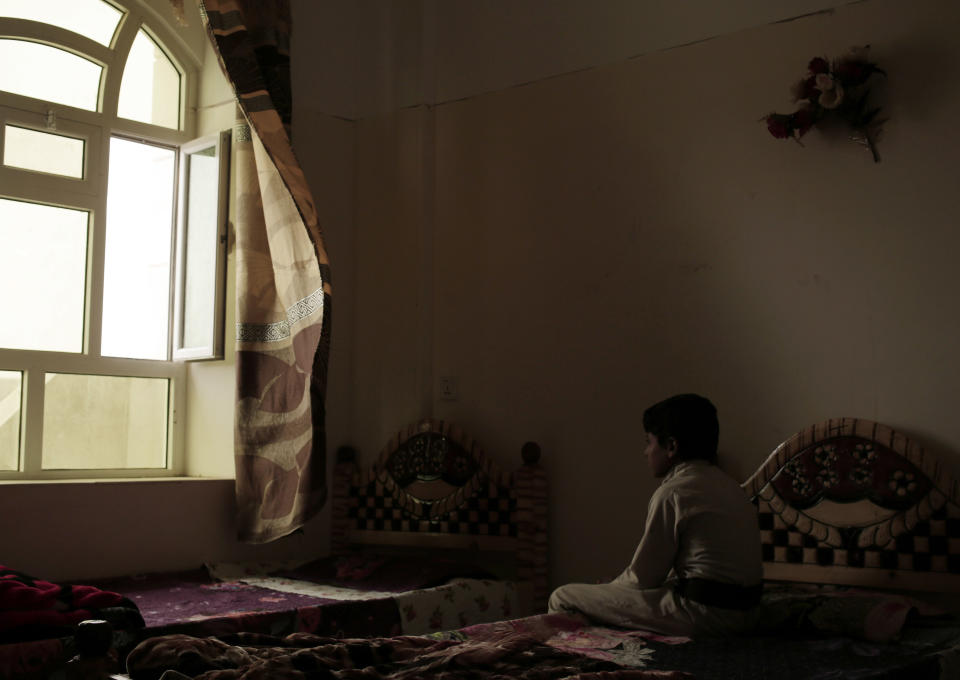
[[691, 420]]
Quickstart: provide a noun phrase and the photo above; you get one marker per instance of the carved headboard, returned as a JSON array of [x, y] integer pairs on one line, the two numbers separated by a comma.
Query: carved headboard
[[433, 487], [851, 501]]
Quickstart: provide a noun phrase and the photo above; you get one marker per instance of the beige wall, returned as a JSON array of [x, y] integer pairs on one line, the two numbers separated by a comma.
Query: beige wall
[[71, 530], [606, 238], [487, 46]]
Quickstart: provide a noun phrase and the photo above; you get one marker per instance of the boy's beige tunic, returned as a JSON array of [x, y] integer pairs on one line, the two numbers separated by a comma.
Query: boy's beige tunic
[[699, 524]]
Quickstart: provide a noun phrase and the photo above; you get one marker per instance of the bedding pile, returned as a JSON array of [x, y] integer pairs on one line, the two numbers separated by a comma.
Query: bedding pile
[[34, 609]]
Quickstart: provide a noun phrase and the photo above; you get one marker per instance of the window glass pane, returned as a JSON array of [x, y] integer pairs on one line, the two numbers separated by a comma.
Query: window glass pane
[[136, 278], [49, 73], [94, 19], [200, 252], [42, 151], [43, 274], [96, 422], [150, 89], [9, 419]]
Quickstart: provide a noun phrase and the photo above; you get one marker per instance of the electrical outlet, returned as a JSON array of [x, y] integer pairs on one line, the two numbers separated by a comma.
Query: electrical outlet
[[448, 388]]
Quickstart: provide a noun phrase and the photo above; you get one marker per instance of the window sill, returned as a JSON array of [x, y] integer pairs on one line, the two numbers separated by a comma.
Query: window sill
[[112, 480]]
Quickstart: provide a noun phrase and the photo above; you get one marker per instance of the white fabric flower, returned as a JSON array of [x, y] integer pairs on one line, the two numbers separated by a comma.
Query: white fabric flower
[[830, 99], [824, 82]]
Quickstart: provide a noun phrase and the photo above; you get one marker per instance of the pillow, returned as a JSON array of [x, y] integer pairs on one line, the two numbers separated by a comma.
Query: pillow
[[862, 614], [356, 567]]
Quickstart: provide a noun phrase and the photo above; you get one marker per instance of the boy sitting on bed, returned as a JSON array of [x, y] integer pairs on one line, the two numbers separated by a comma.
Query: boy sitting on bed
[[697, 569]]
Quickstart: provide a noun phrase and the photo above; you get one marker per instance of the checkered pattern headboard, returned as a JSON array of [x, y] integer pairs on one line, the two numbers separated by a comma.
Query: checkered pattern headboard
[[433, 485], [852, 501], [932, 545], [491, 510]]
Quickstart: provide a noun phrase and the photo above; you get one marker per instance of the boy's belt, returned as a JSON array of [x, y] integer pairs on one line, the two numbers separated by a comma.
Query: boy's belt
[[718, 594]]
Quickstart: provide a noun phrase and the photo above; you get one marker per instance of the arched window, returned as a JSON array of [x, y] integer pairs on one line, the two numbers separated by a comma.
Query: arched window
[[96, 214]]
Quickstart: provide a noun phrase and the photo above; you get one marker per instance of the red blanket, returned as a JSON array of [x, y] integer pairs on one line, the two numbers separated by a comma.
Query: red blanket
[[31, 608]]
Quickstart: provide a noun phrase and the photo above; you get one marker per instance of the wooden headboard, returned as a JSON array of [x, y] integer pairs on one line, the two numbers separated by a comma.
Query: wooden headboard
[[851, 501], [433, 487]]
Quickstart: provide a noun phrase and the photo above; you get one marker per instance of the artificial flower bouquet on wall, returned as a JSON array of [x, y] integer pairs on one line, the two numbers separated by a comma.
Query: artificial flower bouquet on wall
[[836, 90]]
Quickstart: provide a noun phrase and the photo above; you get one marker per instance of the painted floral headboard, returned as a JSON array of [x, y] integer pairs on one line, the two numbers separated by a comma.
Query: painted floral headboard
[[851, 501]]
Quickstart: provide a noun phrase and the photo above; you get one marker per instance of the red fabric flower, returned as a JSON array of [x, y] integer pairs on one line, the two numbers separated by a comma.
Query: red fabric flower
[[779, 125], [802, 120], [818, 65], [851, 72]]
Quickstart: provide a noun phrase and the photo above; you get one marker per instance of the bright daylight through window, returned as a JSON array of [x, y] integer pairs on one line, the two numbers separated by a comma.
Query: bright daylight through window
[[111, 239]]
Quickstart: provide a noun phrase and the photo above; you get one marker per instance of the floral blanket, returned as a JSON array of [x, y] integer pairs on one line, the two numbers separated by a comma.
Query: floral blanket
[[488, 651], [381, 595], [544, 647]]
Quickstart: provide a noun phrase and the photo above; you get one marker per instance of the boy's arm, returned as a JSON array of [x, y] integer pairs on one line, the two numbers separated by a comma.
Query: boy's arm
[[657, 551]]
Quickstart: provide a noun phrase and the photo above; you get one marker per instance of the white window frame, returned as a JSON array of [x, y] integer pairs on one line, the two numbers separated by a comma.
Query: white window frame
[[213, 348], [90, 194]]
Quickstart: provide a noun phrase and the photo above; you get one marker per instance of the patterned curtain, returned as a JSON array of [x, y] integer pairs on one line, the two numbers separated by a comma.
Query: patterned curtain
[[283, 282]]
